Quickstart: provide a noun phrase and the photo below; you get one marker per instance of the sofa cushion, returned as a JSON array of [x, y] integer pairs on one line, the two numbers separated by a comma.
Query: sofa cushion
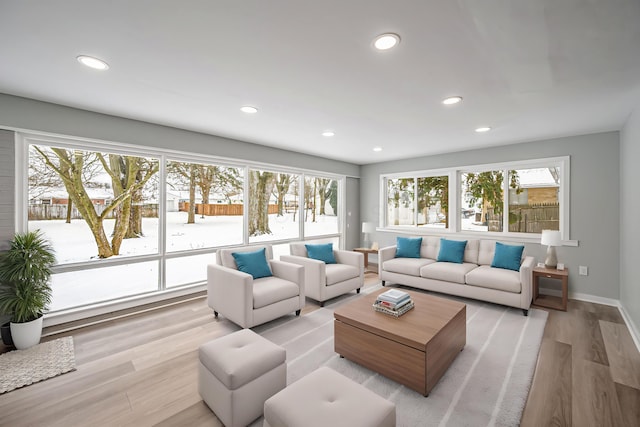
[[486, 251], [269, 290], [321, 252], [408, 247], [410, 266], [337, 273], [447, 271], [430, 247], [494, 278], [253, 263], [451, 251], [507, 256]]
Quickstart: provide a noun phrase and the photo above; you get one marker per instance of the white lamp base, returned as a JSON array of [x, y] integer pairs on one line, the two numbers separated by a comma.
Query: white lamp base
[[552, 259]]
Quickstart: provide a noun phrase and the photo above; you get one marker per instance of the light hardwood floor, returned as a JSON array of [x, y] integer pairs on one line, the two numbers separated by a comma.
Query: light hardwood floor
[[141, 371]]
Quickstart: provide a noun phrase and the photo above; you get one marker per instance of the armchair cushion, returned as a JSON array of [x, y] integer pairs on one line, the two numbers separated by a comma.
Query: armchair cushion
[[321, 252], [269, 290], [337, 273], [253, 263]]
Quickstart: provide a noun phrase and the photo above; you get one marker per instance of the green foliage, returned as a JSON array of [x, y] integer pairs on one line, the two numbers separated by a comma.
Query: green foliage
[[487, 187], [400, 190], [432, 190], [25, 270]]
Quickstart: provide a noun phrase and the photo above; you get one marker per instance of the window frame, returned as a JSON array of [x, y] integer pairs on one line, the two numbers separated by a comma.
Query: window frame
[[455, 197], [24, 139]]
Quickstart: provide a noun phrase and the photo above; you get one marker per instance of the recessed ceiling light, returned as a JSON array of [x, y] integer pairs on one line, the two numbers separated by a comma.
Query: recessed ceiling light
[[386, 41], [249, 109], [328, 133], [452, 100], [92, 62], [483, 129], [377, 149]]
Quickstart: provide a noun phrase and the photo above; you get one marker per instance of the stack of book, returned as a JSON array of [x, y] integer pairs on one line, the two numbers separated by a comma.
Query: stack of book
[[393, 302]]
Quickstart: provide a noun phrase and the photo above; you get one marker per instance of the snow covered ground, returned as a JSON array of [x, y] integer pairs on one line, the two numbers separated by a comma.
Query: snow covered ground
[[74, 243]]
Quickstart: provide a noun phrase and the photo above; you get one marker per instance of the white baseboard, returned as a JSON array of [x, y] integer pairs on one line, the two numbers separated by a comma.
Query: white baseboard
[[633, 329]]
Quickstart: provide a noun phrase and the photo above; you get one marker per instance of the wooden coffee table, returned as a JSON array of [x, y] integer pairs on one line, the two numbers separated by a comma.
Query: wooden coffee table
[[415, 349]]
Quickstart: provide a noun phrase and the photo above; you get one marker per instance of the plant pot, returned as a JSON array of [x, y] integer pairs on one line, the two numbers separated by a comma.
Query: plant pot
[[6, 334], [26, 334]]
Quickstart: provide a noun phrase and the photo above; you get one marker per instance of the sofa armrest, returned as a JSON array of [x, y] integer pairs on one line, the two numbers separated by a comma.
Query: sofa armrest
[[385, 254], [355, 259], [525, 280], [230, 292]]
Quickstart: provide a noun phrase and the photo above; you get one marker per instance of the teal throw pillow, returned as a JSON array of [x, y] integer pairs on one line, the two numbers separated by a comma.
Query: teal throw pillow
[[408, 247], [253, 263], [451, 251], [322, 252], [507, 256]]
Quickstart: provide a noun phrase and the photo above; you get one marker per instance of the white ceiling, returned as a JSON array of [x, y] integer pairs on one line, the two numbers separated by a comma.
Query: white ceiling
[[530, 69]]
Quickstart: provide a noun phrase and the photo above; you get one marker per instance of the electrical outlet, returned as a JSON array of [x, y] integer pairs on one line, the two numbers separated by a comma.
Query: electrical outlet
[[583, 270]]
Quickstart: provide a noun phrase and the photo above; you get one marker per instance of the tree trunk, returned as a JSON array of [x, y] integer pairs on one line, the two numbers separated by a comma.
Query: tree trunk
[[191, 217], [69, 209], [261, 185], [313, 201]]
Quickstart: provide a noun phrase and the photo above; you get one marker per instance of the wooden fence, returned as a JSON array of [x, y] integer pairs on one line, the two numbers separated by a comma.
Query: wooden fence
[[531, 218], [220, 209], [50, 212]]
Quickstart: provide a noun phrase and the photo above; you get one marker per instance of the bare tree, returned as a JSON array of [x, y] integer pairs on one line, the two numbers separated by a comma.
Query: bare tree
[[261, 185], [283, 182], [323, 192], [69, 165]]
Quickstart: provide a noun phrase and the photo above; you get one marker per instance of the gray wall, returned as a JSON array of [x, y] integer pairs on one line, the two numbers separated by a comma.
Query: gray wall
[[7, 187], [595, 211], [352, 239], [629, 214], [7, 193], [16, 112]]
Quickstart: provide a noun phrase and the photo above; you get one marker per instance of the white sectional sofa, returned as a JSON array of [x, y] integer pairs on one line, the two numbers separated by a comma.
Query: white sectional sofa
[[473, 278]]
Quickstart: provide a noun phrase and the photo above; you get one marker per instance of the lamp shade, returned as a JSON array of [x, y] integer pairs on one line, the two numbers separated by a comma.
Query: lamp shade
[[551, 238], [368, 227]]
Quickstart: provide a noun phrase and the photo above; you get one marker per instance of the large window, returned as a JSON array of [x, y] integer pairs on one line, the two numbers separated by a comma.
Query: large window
[[204, 205], [273, 205], [93, 205], [431, 199], [520, 198], [130, 221], [320, 206]]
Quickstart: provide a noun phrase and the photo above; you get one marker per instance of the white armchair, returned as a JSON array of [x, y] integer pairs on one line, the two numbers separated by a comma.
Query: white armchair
[[247, 301], [326, 281]]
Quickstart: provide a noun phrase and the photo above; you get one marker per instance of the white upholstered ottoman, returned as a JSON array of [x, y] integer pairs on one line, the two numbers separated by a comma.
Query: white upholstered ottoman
[[327, 398], [237, 373]]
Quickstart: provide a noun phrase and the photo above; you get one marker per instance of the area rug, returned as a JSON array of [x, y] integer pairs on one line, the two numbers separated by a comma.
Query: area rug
[[487, 384], [20, 368]]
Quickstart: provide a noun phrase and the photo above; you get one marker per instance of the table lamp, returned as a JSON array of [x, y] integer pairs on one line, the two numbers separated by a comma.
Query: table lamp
[[367, 229], [551, 238]]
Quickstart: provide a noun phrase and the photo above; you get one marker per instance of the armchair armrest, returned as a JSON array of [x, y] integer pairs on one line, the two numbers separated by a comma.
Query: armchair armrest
[[315, 273], [230, 292], [292, 272], [288, 271], [525, 280], [355, 259]]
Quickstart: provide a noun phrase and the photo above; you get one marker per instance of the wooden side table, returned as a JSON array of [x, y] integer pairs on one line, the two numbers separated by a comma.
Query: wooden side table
[[366, 252], [557, 303]]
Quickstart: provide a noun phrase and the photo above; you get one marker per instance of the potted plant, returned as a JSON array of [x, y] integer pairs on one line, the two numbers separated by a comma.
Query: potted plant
[[25, 293]]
